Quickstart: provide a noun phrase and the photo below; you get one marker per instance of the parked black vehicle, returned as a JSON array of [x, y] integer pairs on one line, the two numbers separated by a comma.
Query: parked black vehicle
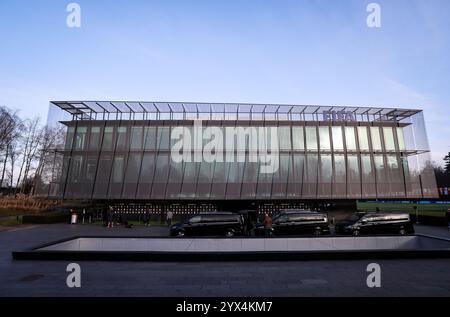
[[297, 222], [375, 223], [210, 224]]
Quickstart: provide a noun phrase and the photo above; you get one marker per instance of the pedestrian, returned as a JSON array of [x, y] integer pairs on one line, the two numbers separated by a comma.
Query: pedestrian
[[110, 216], [248, 225], [267, 225], [147, 218], [169, 218]]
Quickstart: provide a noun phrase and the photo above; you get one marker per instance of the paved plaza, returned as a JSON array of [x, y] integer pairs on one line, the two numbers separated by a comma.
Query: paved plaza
[[421, 277]]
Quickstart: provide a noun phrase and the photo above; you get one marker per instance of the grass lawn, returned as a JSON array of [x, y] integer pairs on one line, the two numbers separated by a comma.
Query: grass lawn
[[431, 210], [11, 222], [5, 212]]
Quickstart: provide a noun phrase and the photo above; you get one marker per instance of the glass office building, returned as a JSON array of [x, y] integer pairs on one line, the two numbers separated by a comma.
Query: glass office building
[[124, 151]]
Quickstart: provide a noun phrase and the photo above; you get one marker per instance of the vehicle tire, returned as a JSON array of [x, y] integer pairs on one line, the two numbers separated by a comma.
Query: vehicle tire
[[317, 232], [356, 232], [229, 233], [180, 234], [402, 232]]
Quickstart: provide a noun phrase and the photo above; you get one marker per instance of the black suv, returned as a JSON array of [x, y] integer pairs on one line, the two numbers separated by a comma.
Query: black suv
[[296, 223], [375, 223], [210, 224]]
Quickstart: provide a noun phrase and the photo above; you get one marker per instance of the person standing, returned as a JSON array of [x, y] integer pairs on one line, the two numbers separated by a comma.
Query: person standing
[[147, 218], [110, 216], [267, 225], [169, 217]]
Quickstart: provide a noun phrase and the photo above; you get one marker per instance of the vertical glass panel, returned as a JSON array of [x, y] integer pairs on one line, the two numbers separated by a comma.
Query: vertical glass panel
[[392, 161], [103, 174], [94, 143], [190, 173], [367, 169], [353, 169], [376, 139], [161, 176], [325, 176], [108, 138], [339, 189], [146, 175], [338, 144], [389, 139], [91, 168], [382, 182], [396, 178], [264, 188], [298, 138], [133, 168], [118, 166], [69, 137], [163, 139], [147, 169], [162, 168], [104, 169], [295, 179], [311, 175], [136, 138], [401, 139], [280, 177], [235, 175], [250, 179], [132, 175], [175, 179], [339, 168], [284, 138], [311, 138], [220, 179], [324, 138], [80, 138], [189, 187], [121, 138], [326, 170], [363, 139], [353, 177], [206, 174], [350, 138], [379, 166], [76, 169], [150, 138]]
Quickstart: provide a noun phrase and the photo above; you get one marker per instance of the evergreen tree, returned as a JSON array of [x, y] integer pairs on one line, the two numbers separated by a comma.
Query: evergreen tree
[[447, 163]]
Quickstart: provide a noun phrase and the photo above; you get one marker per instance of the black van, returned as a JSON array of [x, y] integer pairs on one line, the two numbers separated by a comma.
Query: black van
[[297, 222], [375, 223], [210, 224]]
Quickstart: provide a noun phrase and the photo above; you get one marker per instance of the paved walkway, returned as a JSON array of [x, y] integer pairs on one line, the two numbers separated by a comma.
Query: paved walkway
[[421, 277]]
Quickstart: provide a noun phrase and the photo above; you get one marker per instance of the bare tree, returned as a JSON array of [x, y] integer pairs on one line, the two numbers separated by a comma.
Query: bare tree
[[52, 139], [13, 154], [10, 126], [32, 138]]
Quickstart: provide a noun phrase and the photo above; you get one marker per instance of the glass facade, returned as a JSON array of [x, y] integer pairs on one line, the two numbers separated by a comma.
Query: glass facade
[[314, 159]]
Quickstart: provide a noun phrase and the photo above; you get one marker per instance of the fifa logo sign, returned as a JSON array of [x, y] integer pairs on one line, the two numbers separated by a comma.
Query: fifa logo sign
[[338, 116]]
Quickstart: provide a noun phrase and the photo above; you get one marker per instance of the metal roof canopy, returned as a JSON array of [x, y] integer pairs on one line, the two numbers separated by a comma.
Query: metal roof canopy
[[88, 110]]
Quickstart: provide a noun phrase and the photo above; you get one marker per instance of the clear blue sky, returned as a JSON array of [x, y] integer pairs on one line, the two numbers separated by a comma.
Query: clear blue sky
[[301, 52]]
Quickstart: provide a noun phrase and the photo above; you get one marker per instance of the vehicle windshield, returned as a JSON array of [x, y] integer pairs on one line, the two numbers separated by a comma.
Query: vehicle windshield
[[354, 217], [194, 219]]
